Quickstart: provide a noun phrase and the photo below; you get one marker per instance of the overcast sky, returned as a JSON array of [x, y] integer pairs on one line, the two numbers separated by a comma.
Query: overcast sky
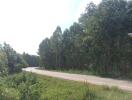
[[25, 23]]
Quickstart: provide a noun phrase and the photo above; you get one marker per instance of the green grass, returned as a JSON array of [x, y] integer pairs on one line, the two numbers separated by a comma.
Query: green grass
[[49, 88], [58, 89]]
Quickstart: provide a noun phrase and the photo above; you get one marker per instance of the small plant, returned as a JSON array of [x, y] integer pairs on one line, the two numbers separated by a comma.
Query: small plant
[[90, 95]]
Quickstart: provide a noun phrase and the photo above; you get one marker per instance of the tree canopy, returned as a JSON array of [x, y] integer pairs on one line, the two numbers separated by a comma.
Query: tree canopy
[[10, 60], [98, 42], [32, 60]]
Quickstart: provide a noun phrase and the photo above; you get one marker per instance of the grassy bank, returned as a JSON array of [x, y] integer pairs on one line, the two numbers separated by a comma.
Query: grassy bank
[[28, 86]]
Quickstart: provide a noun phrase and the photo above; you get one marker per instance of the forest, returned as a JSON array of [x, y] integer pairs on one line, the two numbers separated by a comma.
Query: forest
[[12, 62], [98, 42]]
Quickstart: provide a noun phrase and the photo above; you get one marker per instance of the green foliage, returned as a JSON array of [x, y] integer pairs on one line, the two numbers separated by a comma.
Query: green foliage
[[8, 93], [99, 42], [46, 54], [32, 60], [110, 46], [10, 61], [3, 63], [28, 86], [50, 50], [15, 61]]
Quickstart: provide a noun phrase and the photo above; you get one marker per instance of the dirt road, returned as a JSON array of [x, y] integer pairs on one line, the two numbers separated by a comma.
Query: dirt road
[[122, 84]]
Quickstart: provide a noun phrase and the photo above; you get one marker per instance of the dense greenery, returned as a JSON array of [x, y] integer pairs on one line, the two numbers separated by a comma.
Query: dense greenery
[[28, 86], [10, 60], [99, 42], [32, 60], [3, 62], [19, 87]]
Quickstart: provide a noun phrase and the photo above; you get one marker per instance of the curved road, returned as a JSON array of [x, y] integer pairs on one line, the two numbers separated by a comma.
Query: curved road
[[122, 84]]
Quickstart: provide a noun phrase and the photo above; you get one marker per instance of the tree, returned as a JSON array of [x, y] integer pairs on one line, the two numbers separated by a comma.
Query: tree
[[3, 62], [56, 43], [107, 28], [32, 60], [15, 61], [46, 54], [99, 42], [72, 46]]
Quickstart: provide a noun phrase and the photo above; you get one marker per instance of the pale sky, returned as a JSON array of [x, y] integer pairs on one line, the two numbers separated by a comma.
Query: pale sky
[[25, 23]]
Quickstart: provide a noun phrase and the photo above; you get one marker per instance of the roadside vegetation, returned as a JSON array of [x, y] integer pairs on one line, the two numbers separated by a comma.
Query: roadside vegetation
[[28, 86], [12, 62], [98, 43], [32, 60]]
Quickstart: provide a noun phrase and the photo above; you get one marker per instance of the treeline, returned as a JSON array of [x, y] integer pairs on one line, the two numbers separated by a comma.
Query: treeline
[[12, 62], [99, 42], [32, 60]]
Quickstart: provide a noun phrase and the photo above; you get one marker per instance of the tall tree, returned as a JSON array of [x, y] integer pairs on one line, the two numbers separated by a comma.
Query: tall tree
[[15, 61], [72, 42], [99, 42], [32, 60], [107, 35], [3, 62], [56, 43], [46, 54]]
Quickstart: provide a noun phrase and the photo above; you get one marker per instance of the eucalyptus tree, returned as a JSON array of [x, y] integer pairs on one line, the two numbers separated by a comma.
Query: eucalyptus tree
[[56, 46], [106, 27], [98, 42]]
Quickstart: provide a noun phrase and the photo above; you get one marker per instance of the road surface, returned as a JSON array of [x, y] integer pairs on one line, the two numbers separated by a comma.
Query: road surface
[[122, 84]]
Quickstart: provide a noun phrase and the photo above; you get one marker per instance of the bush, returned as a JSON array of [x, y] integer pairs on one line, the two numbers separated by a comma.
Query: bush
[[20, 87], [7, 93]]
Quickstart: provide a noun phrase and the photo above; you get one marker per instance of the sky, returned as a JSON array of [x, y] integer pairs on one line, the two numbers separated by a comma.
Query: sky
[[25, 23]]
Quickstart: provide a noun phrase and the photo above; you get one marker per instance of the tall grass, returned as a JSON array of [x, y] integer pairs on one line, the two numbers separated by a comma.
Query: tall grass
[[28, 86]]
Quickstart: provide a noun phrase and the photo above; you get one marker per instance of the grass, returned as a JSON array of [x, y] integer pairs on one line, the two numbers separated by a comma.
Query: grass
[[58, 89]]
